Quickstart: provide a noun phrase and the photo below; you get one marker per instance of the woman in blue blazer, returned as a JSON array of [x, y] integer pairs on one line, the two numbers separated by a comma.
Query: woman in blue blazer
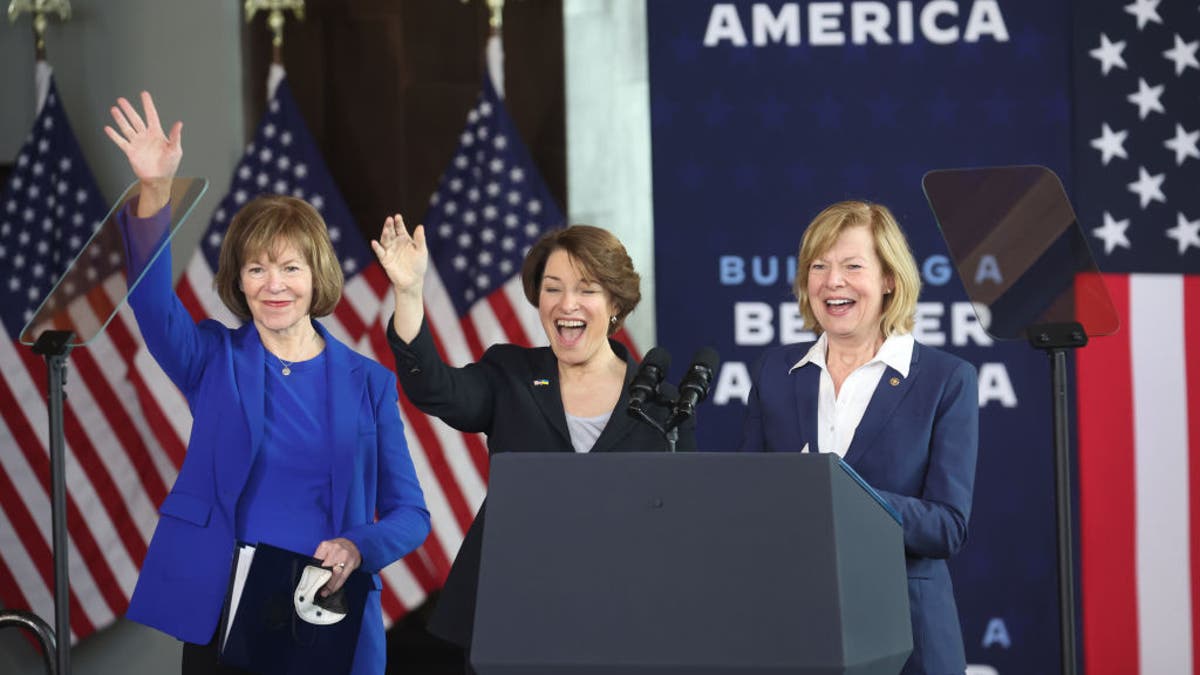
[[296, 440], [905, 416]]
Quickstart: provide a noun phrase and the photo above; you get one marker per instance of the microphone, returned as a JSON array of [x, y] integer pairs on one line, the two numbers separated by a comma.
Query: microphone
[[667, 395], [649, 375], [694, 387]]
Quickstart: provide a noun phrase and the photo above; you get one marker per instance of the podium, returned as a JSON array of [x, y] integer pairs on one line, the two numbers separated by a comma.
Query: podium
[[697, 563]]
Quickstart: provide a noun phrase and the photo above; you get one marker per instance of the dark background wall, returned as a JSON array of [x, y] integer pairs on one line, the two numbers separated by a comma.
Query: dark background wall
[[385, 88]]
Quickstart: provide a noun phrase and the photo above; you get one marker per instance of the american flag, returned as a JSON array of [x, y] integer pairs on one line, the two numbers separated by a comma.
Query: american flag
[[490, 206], [1138, 191], [115, 471]]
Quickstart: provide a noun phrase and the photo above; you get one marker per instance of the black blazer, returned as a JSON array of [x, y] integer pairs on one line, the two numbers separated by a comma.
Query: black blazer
[[512, 396]]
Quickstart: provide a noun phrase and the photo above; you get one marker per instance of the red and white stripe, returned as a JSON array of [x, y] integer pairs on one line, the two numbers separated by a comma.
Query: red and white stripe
[[1139, 478], [117, 468]]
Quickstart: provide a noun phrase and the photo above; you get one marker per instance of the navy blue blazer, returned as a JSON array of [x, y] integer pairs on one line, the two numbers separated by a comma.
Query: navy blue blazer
[[182, 585], [917, 445]]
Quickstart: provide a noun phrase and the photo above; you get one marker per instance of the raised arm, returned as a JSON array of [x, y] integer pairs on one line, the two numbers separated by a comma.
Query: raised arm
[[405, 258], [153, 156], [168, 329]]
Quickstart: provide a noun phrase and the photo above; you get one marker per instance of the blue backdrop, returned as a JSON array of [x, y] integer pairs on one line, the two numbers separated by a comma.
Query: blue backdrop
[[762, 114]]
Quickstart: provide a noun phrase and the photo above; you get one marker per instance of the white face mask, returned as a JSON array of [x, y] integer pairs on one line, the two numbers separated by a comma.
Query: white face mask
[[306, 598]]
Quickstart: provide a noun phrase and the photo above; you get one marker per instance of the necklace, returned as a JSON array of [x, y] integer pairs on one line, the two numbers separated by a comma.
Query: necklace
[[287, 365]]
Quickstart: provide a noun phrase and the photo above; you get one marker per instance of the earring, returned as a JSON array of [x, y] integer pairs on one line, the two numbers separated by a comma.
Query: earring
[[613, 320]]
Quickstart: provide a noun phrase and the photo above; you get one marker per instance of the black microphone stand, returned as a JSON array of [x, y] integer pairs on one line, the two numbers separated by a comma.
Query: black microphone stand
[[671, 432], [672, 436]]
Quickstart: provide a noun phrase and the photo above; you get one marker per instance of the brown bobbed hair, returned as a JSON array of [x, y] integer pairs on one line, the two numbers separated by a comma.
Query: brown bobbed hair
[[598, 255], [266, 224], [891, 246]]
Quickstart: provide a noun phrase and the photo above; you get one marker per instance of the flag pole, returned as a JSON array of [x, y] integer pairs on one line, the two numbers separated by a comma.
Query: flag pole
[[495, 16], [495, 45], [275, 21], [39, 9], [494, 50]]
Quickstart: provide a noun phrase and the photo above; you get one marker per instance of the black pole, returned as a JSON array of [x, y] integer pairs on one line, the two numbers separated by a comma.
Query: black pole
[[1062, 489], [40, 629], [1055, 340], [54, 346]]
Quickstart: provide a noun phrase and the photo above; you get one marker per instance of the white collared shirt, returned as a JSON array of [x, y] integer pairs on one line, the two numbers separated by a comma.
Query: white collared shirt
[[838, 415]]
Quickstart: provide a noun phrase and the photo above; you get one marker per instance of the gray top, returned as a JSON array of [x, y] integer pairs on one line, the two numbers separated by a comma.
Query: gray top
[[585, 430]]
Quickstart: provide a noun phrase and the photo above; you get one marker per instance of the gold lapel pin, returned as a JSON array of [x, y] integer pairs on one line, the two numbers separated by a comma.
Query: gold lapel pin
[[895, 382]]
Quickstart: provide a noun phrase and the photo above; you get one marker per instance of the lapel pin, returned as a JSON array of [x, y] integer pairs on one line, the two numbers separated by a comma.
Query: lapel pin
[[895, 382], [541, 383]]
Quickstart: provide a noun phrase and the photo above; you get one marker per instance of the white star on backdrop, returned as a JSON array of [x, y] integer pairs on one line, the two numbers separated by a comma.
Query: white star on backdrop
[[1113, 233], [1147, 98], [1185, 232], [1145, 11], [1183, 54], [1148, 188], [1109, 54], [1110, 144], [1184, 144]]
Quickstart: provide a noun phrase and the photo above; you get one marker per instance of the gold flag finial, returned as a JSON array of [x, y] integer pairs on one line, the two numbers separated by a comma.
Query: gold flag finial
[[275, 20], [495, 15], [39, 9]]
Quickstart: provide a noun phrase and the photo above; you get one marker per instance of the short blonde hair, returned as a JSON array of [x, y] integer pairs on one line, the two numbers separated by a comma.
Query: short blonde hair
[[601, 258], [891, 246], [263, 225]]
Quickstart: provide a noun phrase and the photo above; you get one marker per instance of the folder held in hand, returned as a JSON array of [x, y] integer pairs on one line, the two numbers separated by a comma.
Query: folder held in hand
[[275, 621]]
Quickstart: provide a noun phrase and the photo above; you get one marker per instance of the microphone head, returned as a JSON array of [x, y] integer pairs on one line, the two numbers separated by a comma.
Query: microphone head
[[659, 358], [707, 357], [694, 387], [650, 374]]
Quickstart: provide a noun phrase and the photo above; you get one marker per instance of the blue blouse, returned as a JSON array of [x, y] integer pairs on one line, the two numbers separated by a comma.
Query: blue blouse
[[291, 477]]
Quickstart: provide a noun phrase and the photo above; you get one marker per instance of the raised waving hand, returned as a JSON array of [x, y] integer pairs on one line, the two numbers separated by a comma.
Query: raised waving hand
[[153, 155], [405, 259]]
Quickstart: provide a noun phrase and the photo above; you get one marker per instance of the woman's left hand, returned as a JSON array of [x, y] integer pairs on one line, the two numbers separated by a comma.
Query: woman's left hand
[[342, 556]]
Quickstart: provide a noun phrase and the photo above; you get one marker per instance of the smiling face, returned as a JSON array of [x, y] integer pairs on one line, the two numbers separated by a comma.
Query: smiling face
[[846, 285], [575, 311], [278, 286]]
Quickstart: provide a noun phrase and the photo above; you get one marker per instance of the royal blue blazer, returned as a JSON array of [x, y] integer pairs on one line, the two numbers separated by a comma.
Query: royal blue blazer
[[917, 445], [377, 501]]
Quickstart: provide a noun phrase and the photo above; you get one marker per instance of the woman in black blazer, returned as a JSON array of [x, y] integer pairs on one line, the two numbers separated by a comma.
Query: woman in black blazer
[[568, 397]]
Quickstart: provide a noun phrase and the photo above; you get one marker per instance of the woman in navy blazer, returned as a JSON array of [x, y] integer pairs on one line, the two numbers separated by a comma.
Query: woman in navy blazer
[[568, 397], [905, 416], [296, 440]]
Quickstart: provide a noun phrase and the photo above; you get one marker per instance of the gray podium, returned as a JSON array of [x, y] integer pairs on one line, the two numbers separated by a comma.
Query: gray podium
[[697, 564]]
